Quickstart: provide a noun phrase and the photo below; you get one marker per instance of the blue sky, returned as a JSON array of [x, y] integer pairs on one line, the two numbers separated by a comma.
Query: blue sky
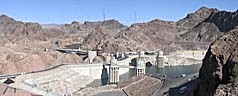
[[66, 11]]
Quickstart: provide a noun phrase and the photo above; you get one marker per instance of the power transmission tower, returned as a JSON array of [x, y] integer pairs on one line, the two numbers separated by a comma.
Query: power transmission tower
[[135, 17], [104, 15]]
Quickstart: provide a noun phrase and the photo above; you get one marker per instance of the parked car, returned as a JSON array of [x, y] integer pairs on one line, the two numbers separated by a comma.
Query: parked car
[[183, 90], [189, 79], [183, 75]]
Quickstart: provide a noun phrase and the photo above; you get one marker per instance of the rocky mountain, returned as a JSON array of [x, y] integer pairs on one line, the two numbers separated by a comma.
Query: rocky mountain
[[224, 20], [205, 32], [204, 25], [213, 26], [112, 24], [97, 38], [219, 72], [24, 47], [193, 19], [140, 36], [10, 26], [195, 31], [156, 29]]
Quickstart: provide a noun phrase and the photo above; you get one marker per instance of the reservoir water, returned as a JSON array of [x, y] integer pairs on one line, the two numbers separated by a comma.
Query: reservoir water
[[171, 71]]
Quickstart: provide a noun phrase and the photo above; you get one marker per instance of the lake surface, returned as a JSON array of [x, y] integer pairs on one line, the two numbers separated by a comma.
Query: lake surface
[[174, 71], [171, 71]]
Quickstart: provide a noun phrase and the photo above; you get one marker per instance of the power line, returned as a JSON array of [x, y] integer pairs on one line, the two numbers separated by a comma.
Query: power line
[[135, 17], [104, 15]]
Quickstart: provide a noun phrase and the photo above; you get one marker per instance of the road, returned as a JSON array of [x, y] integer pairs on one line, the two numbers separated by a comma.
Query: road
[[78, 51], [171, 84]]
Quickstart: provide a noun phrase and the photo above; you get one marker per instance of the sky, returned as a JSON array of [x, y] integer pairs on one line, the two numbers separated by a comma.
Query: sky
[[125, 11]]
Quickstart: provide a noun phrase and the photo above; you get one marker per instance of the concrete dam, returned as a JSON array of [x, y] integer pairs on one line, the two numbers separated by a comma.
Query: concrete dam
[[68, 78]]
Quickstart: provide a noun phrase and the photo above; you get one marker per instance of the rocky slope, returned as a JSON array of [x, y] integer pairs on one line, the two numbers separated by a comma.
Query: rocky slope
[[205, 32], [217, 23], [11, 27], [98, 39], [24, 47], [193, 19], [219, 72], [224, 20], [192, 32], [141, 36], [204, 25], [112, 25], [27, 57]]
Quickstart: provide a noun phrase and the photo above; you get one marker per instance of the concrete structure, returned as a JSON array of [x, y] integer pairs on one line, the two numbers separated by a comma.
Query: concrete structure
[[67, 78], [160, 60], [194, 54], [72, 51], [141, 54], [64, 79], [131, 53], [113, 71], [113, 74], [91, 55], [5, 90], [140, 66], [117, 55], [150, 58]]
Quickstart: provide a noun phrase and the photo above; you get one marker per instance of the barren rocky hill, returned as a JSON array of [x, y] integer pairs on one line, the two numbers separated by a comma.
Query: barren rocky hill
[[112, 24], [224, 20], [11, 27], [193, 19], [218, 75], [195, 31], [204, 25], [24, 47], [217, 23]]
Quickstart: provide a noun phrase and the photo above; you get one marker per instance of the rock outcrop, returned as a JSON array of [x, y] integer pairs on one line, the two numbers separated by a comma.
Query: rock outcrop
[[215, 24], [10, 26], [141, 36], [219, 71], [98, 39], [204, 25], [224, 20], [204, 32], [112, 25], [193, 19]]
